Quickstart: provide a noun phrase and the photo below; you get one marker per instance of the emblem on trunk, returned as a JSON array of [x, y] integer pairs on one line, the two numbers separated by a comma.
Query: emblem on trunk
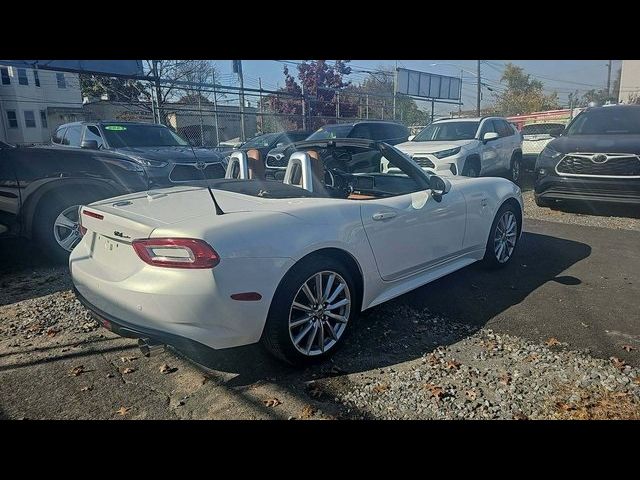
[[120, 234]]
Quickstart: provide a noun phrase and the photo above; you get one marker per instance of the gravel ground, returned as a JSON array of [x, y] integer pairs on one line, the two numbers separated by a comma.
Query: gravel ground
[[492, 376]]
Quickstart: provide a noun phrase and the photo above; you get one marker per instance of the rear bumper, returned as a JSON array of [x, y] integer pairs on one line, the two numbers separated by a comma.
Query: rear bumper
[[171, 304], [555, 187]]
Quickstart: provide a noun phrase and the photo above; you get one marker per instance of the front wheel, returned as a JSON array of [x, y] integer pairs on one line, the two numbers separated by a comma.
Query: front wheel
[[503, 237], [311, 311], [515, 169]]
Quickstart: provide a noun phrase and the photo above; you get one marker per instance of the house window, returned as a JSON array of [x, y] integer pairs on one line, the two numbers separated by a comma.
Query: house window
[[12, 118], [22, 76], [36, 78], [43, 119], [29, 119], [62, 83], [6, 79]]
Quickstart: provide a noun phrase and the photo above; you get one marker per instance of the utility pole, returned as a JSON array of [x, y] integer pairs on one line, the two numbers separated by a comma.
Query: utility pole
[[215, 106], [479, 97], [337, 104], [460, 95], [433, 108], [156, 81], [261, 117], [609, 78], [367, 106], [304, 109], [395, 88], [237, 68]]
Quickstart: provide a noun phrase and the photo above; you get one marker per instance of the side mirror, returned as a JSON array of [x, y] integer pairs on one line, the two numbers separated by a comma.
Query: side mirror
[[556, 132], [439, 186], [411, 137], [489, 136], [89, 144]]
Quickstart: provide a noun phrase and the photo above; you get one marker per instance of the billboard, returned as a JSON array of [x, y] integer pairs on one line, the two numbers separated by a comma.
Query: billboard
[[112, 68], [428, 85]]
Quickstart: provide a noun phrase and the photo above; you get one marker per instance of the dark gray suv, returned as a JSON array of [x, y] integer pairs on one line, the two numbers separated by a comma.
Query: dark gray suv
[[167, 158]]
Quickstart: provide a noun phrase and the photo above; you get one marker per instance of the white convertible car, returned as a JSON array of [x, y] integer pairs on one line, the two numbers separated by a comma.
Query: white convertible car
[[241, 260]]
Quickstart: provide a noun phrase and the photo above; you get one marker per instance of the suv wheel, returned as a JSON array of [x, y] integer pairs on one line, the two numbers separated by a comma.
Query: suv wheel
[[515, 168]]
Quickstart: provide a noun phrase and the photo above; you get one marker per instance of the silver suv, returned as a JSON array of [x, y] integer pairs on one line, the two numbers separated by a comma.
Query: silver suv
[[473, 147]]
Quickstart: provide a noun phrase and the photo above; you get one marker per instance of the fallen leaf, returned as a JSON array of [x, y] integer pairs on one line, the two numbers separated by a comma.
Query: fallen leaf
[[128, 359], [165, 369], [490, 345], [381, 387], [471, 394], [122, 411], [637, 380], [628, 348], [618, 363], [552, 341], [52, 332], [272, 402], [432, 360], [505, 379], [532, 357], [128, 370], [436, 391], [520, 416], [86, 389], [307, 412], [452, 365], [565, 407], [75, 371]]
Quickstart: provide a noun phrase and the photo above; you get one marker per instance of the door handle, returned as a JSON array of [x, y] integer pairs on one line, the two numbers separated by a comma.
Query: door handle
[[383, 215]]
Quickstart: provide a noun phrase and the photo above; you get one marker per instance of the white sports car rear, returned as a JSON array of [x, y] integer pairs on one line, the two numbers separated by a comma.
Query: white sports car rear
[[290, 264]]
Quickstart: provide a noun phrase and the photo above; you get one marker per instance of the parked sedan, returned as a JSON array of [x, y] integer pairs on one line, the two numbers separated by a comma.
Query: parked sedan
[[536, 136], [596, 159], [287, 264]]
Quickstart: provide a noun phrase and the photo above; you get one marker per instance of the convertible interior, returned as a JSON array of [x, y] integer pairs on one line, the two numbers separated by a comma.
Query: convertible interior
[[354, 172]]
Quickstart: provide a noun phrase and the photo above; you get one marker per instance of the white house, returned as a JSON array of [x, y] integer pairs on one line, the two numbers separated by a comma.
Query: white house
[[34, 102], [629, 80]]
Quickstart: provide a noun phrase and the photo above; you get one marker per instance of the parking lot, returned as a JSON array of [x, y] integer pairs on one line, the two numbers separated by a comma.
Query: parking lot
[[554, 335]]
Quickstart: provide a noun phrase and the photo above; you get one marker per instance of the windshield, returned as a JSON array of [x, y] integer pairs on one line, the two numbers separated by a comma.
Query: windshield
[[541, 128], [128, 135], [262, 141], [331, 131], [448, 131], [606, 121]]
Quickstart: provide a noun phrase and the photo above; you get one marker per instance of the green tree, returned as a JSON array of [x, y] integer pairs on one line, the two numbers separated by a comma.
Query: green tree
[[522, 94]]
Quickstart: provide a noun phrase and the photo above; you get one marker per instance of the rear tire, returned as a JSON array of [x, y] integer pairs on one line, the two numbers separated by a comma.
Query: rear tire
[[503, 237], [287, 323], [515, 169], [56, 227]]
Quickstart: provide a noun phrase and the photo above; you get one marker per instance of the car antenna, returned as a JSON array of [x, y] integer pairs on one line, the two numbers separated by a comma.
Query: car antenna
[[213, 197]]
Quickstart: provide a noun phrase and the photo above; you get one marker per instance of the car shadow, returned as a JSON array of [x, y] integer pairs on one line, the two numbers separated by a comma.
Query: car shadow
[[598, 209], [415, 323], [25, 272]]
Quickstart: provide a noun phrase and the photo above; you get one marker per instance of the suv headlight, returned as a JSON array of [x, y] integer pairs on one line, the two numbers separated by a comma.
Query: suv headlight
[[548, 158], [147, 162], [447, 153]]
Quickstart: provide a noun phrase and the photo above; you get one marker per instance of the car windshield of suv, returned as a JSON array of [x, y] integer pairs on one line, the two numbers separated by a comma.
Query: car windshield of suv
[[332, 131], [127, 135], [448, 131], [262, 141], [607, 121], [541, 128]]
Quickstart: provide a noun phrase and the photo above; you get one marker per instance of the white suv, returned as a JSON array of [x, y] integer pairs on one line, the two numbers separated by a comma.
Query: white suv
[[472, 147]]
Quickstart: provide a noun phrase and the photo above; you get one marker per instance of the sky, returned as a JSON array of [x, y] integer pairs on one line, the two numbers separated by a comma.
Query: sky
[[561, 76]]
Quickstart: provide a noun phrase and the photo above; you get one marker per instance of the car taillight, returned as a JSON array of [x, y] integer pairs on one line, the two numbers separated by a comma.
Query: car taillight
[[176, 252], [89, 213]]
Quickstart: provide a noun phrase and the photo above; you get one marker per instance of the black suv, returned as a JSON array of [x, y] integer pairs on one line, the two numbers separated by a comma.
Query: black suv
[[596, 158], [268, 141], [388, 132], [42, 187], [167, 158]]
